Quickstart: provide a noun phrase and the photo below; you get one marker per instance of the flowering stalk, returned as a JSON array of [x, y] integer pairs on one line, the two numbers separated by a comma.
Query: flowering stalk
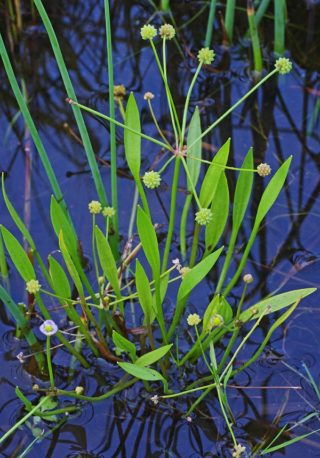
[[51, 377], [156, 123], [49, 328]]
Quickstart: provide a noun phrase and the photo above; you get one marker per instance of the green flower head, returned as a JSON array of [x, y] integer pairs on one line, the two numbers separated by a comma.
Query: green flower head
[[206, 56], [203, 216], [283, 65], [167, 31], [94, 207], [33, 286], [193, 319], [148, 32], [151, 179]]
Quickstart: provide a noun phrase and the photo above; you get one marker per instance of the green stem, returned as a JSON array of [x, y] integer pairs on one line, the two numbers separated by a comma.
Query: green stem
[[172, 213], [51, 377], [183, 226], [194, 248], [157, 125], [117, 123], [251, 91], [193, 189], [186, 105], [210, 23], [24, 419], [113, 150]]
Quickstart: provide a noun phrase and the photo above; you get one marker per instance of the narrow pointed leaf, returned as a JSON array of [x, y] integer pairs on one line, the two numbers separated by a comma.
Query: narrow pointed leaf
[[124, 344], [59, 278], [144, 293], [132, 141], [153, 356], [107, 261], [142, 373], [212, 176], [194, 153], [18, 255], [149, 241]]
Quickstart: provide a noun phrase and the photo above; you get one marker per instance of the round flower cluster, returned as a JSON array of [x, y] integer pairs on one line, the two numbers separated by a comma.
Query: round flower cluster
[[148, 32], [148, 96], [108, 212], [193, 319], [33, 286], [119, 91], [247, 278], [49, 328], [167, 31], [264, 169], [283, 65], [203, 216], [94, 207], [151, 179], [206, 56]]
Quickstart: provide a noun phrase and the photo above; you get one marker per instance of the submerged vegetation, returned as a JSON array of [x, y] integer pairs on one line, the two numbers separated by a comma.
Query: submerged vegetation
[[130, 282]]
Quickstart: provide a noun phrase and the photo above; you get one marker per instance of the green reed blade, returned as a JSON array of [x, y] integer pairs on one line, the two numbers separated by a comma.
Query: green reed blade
[[71, 94], [113, 146], [208, 39], [279, 26], [3, 261], [229, 18], [255, 41], [30, 124]]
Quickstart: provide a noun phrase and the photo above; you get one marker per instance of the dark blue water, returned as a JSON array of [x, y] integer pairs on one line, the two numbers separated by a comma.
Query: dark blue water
[[278, 121]]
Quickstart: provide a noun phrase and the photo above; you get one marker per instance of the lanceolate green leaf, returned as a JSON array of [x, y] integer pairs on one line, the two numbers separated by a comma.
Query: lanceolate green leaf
[[18, 255], [240, 204], [275, 303], [124, 344], [153, 356], [194, 153], [132, 141], [24, 231], [144, 293], [142, 373], [149, 241], [212, 176], [61, 223], [59, 279], [107, 261], [71, 267], [189, 282], [220, 210], [267, 200]]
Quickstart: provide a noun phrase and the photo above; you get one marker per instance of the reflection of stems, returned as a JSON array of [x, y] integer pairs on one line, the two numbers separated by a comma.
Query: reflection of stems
[[172, 213], [49, 363]]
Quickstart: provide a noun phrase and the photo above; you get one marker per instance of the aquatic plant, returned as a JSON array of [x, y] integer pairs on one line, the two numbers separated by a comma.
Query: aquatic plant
[[99, 312]]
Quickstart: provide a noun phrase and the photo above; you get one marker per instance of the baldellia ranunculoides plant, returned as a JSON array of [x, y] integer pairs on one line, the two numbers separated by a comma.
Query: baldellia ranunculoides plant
[[138, 283]]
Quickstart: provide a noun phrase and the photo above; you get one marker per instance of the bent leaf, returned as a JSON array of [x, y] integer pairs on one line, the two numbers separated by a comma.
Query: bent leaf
[[153, 356], [124, 345], [275, 303]]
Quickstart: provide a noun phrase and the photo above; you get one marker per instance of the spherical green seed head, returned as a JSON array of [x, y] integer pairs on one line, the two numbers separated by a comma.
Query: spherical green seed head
[[193, 319], [33, 286], [167, 31], [108, 212], [263, 169], [151, 179], [206, 56], [94, 207], [148, 32], [247, 278], [283, 65], [203, 216]]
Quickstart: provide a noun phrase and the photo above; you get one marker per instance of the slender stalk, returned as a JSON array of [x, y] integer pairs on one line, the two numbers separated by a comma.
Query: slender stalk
[[117, 123], [51, 377], [165, 80], [194, 248], [279, 26], [113, 147], [156, 124], [183, 226], [193, 189], [251, 91], [24, 419], [186, 105], [257, 56], [172, 213], [229, 18]]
